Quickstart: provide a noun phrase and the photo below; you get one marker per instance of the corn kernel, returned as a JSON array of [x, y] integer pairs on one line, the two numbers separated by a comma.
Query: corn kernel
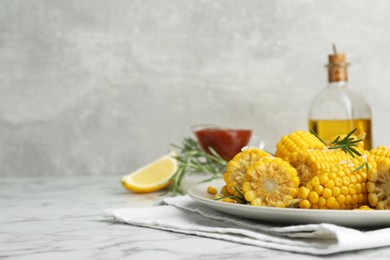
[[348, 199], [330, 201], [323, 179], [246, 186], [364, 207], [303, 192], [211, 190], [372, 175], [373, 199], [332, 175], [344, 190], [371, 186], [313, 197], [346, 181], [326, 193], [256, 202], [335, 205], [250, 195], [336, 191], [352, 189], [352, 178], [364, 175], [319, 189], [354, 199], [340, 173], [280, 204], [361, 198], [340, 199], [338, 182], [359, 188], [329, 184], [304, 204], [315, 181], [321, 202]]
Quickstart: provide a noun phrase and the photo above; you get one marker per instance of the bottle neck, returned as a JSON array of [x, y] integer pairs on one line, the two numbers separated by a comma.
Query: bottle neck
[[338, 84], [337, 72]]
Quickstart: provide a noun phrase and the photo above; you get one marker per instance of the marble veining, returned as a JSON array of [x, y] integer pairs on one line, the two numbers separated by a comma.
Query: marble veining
[[60, 218]]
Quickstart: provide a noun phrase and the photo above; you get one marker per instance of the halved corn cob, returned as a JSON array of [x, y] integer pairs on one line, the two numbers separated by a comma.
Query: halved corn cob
[[237, 167], [378, 185], [271, 182], [342, 187], [296, 142]]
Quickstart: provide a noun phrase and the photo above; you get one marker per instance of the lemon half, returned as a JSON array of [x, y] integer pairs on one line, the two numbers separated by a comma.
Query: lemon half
[[152, 177]]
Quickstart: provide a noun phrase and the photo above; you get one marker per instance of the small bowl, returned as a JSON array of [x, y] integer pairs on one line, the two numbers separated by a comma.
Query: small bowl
[[227, 142]]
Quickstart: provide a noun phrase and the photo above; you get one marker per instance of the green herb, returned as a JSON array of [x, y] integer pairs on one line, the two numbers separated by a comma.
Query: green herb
[[346, 144], [316, 135], [240, 197], [192, 159]]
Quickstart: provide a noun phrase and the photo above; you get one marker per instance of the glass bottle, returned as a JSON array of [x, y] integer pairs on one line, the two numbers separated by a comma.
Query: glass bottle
[[338, 109]]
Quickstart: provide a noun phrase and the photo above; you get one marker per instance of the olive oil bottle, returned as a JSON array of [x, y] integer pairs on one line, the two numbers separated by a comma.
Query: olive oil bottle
[[338, 109]]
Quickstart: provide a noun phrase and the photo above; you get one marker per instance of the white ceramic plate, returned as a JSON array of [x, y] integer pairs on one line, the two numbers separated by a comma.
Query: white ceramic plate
[[354, 218]]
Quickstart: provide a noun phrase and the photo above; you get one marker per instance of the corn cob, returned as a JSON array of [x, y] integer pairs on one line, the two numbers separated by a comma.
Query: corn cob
[[378, 185], [380, 152], [340, 187], [271, 182], [311, 162], [296, 142], [237, 167]]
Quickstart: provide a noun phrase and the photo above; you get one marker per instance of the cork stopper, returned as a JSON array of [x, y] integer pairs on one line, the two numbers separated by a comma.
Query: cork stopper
[[337, 67]]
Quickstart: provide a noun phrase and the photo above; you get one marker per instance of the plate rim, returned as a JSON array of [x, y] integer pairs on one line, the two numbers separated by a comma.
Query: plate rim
[[322, 213]]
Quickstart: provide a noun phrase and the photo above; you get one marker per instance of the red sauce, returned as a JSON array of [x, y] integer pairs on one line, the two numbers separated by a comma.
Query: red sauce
[[226, 142]]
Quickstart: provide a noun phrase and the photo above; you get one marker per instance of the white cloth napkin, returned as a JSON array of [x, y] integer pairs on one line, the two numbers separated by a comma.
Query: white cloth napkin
[[184, 215]]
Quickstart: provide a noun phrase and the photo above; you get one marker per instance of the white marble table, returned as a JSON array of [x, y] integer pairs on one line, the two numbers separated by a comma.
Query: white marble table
[[60, 218]]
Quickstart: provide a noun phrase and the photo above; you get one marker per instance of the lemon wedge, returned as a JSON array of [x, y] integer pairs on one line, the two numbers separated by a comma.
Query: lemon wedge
[[152, 177]]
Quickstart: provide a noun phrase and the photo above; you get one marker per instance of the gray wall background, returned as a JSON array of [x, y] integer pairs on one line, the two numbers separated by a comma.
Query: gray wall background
[[94, 87]]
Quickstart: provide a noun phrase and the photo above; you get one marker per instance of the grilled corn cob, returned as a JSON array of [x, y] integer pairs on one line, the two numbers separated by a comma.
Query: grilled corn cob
[[271, 182], [237, 167]]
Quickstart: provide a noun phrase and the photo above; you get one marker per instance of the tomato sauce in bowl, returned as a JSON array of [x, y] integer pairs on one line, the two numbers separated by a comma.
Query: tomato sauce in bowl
[[226, 142]]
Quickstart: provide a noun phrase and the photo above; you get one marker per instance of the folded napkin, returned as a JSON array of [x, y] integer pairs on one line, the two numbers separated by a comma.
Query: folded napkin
[[184, 215]]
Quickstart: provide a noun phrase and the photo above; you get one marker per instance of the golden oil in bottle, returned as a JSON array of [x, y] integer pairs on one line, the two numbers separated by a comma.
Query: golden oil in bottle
[[327, 129], [338, 109]]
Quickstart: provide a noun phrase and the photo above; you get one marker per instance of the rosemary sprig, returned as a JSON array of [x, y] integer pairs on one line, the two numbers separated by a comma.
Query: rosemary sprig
[[346, 144], [318, 137], [192, 159], [239, 197]]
